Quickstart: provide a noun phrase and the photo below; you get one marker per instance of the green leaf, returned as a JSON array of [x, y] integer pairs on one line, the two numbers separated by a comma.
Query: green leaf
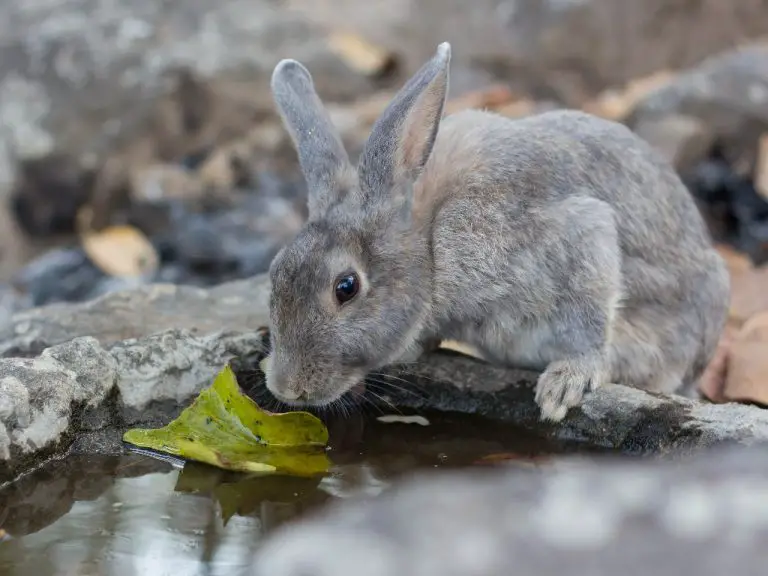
[[243, 494], [225, 428]]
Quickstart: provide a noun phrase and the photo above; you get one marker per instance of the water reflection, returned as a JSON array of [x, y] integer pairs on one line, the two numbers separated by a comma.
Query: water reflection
[[133, 515]]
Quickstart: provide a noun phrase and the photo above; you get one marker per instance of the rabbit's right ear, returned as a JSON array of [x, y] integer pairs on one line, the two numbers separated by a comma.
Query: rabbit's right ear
[[402, 138], [322, 156]]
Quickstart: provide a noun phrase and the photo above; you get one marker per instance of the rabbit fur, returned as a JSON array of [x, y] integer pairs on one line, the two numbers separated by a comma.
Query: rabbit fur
[[560, 242]]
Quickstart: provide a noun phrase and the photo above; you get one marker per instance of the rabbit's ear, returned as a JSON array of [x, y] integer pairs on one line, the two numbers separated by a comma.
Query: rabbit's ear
[[322, 156], [401, 140]]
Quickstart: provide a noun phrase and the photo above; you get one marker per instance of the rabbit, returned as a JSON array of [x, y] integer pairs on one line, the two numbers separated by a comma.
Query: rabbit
[[559, 242]]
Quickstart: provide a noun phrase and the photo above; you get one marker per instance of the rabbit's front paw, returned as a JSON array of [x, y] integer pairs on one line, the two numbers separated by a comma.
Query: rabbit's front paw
[[562, 386]]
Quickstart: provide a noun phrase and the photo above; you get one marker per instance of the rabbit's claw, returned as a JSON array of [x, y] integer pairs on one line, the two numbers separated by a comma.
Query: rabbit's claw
[[562, 386]]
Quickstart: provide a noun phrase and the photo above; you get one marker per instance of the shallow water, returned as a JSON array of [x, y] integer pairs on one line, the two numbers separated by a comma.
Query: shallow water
[[135, 515]]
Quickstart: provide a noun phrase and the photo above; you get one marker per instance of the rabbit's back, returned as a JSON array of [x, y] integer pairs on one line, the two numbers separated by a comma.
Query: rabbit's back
[[495, 191], [520, 165]]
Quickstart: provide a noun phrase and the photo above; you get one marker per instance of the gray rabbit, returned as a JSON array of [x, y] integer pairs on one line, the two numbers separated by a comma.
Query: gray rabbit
[[559, 242]]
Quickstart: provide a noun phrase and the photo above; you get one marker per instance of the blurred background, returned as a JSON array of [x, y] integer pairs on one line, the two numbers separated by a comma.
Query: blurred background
[[139, 142]]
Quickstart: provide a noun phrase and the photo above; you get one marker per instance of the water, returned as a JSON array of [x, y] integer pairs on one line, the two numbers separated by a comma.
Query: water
[[135, 515]]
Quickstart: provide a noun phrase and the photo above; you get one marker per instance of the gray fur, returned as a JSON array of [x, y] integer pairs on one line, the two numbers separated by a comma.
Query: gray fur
[[560, 242]]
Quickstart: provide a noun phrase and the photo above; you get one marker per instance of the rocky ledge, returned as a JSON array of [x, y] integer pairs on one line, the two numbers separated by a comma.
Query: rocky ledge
[[70, 370], [576, 516]]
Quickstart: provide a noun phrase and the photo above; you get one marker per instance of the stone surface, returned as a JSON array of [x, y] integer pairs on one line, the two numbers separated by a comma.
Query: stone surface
[[124, 367], [240, 305], [569, 50], [616, 416], [727, 93], [706, 516], [80, 386], [75, 71]]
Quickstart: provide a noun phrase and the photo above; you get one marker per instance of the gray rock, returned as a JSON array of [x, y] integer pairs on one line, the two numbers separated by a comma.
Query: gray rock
[[172, 366], [37, 395], [571, 50], [75, 73], [125, 367], [240, 305], [616, 416], [47, 400], [727, 94], [707, 515]]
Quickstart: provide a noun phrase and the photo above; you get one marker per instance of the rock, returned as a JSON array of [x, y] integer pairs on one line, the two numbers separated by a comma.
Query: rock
[[240, 305], [575, 517], [568, 51], [124, 366], [172, 366], [45, 401], [38, 395], [683, 140], [78, 72], [727, 93], [48, 193], [731, 206]]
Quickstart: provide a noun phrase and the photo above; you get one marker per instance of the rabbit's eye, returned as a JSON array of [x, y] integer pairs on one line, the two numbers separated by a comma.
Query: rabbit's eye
[[347, 286]]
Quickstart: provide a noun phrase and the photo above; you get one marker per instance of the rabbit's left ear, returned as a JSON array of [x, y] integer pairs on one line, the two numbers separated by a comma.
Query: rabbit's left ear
[[322, 156], [402, 138]]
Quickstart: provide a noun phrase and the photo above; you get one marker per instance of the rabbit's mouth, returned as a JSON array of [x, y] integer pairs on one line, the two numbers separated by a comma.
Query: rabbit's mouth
[[358, 390]]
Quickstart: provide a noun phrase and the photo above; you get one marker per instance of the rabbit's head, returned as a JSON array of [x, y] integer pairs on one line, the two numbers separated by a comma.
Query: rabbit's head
[[352, 291]]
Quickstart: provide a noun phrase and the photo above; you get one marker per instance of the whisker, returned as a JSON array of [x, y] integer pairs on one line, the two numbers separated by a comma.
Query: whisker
[[385, 401], [395, 387]]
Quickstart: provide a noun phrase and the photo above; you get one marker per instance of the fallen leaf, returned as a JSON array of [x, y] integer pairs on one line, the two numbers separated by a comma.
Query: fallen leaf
[[400, 419], [760, 177], [360, 54], [461, 348], [225, 428], [122, 251], [747, 379]]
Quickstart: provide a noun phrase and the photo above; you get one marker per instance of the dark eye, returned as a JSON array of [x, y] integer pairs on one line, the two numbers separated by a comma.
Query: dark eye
[[347, 286]]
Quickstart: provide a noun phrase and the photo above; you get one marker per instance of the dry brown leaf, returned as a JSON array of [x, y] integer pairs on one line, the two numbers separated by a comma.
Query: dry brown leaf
[[121, 251], [747, 379], [461, 348], [360, 54], [760, 176], [616, 104]]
